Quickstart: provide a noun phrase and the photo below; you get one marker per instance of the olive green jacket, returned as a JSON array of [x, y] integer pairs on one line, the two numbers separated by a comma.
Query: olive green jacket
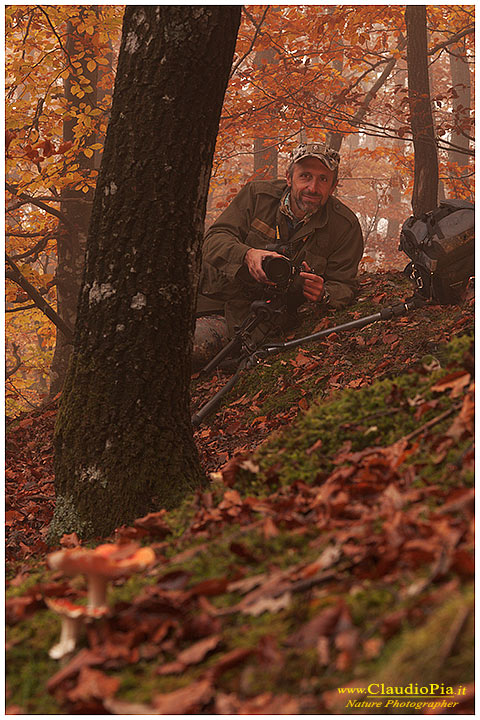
[[330, 241]]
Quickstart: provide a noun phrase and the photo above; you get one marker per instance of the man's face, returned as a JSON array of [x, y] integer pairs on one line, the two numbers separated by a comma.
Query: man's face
[[311, 184]]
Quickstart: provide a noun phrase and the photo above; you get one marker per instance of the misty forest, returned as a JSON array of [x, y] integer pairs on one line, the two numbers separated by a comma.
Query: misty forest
[[288, 529]]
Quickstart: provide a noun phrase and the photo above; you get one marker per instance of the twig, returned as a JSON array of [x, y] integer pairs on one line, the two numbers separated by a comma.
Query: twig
[[39, 301], [35, 407], [20, 309], [453, 39], [38, 247], [18, 362], [38, 203], [258, 26], [432, 422], [57, 36]]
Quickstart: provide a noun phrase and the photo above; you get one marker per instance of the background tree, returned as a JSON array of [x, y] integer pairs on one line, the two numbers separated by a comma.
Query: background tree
[[75, 204], [425, 185], [338, 72], [124, 442], [58, 81]]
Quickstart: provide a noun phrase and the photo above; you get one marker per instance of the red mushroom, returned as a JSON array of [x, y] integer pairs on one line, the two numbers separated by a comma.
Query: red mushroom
[[100, 565], [72, 617]]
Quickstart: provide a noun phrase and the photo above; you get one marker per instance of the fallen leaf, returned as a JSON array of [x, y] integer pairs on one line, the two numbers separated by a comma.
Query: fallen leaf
[[93, 684], [186, 701], [455, 382], [84, 658], [154, 524], [213, 586], [229, 660], [464, 422], [267, 604], [322, 625], [270, 530], [197, 652], [120, 707], [70, 541]]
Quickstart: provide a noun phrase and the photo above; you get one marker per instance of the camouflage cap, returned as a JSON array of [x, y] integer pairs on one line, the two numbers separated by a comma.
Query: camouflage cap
[[329, 156]]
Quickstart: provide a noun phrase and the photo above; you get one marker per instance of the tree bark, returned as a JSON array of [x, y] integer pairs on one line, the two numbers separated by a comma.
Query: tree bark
[[425, 185], [123, 443]]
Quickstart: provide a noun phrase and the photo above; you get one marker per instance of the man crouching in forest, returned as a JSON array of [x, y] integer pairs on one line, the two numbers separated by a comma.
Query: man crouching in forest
[[297, 219]]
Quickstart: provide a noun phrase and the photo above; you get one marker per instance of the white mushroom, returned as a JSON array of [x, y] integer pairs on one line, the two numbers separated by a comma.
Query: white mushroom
[[72, 617]]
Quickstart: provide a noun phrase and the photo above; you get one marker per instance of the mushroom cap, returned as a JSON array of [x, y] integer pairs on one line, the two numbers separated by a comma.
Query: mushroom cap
[[108, 561], [65, 608]]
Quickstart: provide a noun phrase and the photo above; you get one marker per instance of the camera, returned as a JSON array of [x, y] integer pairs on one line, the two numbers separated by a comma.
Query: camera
[[280, 270]]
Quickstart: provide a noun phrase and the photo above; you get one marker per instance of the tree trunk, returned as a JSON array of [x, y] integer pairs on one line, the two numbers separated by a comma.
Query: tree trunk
[[461, 83], [76, 206], [425, 185], [124, 445], [265, 153]]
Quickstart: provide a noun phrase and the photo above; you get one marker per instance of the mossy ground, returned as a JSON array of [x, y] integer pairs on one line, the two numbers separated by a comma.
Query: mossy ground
[[403, 629]]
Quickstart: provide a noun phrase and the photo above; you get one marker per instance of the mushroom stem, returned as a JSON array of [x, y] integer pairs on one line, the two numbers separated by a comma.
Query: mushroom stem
[[68, 638], [97, 591]]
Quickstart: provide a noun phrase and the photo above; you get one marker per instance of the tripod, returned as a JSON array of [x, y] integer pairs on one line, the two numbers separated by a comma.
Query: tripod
[[250, 357]]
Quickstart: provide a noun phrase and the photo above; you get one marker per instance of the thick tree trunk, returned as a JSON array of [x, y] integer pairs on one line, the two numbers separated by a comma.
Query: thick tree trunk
[[124, 444], [76, 206], [425, 186]]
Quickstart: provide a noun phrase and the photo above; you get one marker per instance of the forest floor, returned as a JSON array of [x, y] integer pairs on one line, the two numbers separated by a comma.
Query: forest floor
[[331, 553]]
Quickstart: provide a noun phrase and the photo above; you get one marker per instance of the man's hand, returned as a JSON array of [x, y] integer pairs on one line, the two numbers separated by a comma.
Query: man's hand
[[253, 260], [313, 286]]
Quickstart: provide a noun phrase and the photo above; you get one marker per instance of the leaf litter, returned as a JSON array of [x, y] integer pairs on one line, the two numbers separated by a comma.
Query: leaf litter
[[365, 523]]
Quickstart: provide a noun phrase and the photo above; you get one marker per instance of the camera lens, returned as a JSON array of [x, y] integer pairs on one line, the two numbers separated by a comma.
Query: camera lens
[[277, 269]]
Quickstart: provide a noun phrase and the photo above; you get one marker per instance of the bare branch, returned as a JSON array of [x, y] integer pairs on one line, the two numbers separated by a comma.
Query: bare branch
[[453, 39], [39, 301], [37, 248], [57, 36], [38, 203], [18, 362], [258, 27], [20, 309]]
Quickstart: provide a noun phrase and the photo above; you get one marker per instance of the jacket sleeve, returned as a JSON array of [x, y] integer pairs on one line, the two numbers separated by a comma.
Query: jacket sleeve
[[342, 267], [224, 246]]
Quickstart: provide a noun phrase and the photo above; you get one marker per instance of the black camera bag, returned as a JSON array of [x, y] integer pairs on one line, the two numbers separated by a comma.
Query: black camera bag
[[441, 245]]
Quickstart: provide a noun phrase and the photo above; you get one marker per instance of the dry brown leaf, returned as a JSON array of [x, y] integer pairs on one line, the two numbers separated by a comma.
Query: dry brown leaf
[[82, 659], [316, 446], [266, 604], [93, 684], [186, 701], [246, 584], [172, 668], [265, 704], [270, 530], [154, 524], [120, 707], [213, 586], [229, 660], [464, 422], [323, 651], [329, 557], [372, 647], [197, 652], [321, 625], [455, 382]]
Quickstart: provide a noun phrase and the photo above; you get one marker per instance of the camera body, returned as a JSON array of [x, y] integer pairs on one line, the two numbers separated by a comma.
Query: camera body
[[280, 270]]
